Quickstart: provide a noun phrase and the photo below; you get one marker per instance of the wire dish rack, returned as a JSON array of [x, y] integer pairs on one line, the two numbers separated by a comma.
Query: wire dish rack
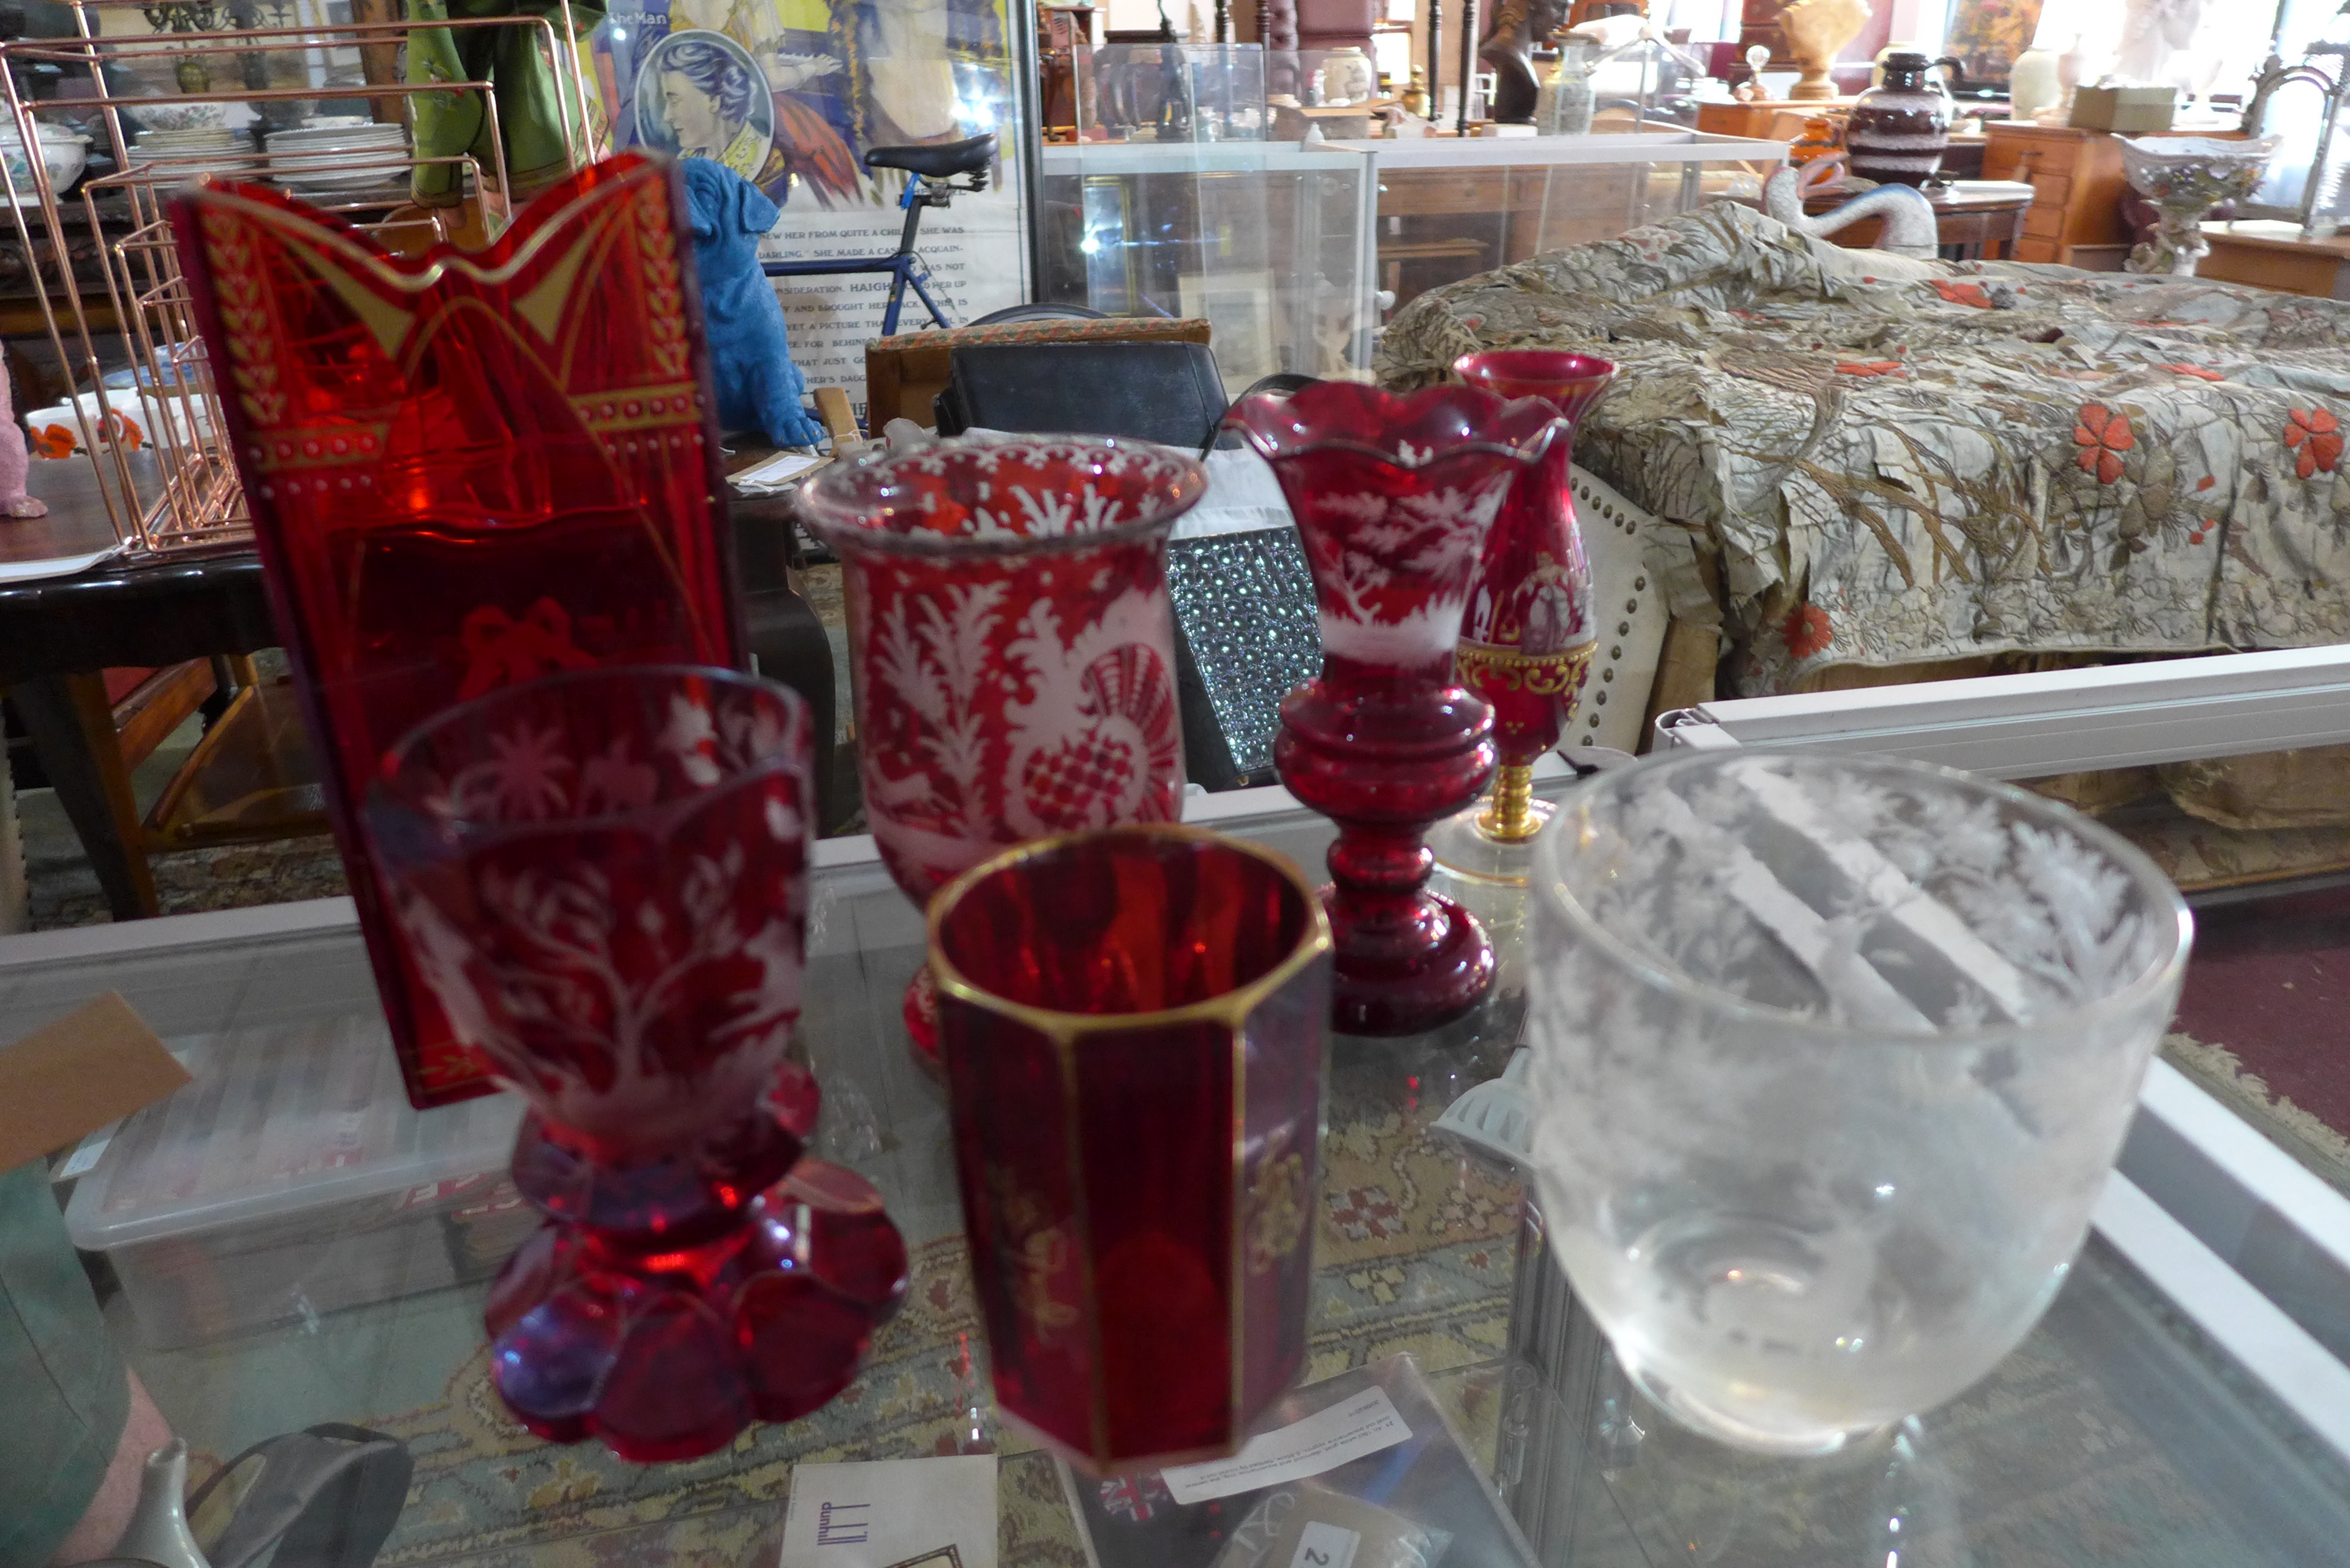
[[99, 250]]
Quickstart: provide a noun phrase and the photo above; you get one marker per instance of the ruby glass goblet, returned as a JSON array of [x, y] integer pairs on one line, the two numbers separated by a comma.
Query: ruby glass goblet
[[1393, 497], [1013, 647], [603, 877]]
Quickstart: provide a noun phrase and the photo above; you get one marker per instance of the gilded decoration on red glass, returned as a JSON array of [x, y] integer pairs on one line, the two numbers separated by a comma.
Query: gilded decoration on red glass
[[465, 470], [603, 878], [1131, 1023], [1394, 497], [1014, 640], [1526, 639]]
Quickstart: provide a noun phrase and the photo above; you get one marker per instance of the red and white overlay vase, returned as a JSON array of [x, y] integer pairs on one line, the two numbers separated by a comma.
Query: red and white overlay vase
[[1013, 645]]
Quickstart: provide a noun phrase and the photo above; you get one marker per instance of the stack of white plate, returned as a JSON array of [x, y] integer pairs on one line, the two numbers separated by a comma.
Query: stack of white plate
[[338, 152], [198, 150]]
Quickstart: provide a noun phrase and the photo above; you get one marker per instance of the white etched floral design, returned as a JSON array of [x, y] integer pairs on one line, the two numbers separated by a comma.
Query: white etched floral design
[[1017, 649], [600, 1009], [1100, 725], [1362, 544], [1832, 1058], [609, 900], [930, 655]]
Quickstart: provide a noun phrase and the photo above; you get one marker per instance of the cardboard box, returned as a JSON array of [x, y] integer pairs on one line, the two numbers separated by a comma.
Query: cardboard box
[[2125, 108]]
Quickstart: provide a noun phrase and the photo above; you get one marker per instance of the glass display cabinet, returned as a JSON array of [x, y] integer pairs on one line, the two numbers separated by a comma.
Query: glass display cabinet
[[1171, 92], [1448, 209], [2184, 1404], [1270, 241]]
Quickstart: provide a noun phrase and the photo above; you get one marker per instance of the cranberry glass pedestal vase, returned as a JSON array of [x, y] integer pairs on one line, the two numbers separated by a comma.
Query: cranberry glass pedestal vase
[[603, 878], [1393, 496], [1526, 636], [1013, 646]]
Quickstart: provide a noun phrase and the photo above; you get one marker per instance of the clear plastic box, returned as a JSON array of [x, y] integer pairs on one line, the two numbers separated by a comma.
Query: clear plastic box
[[291, 1178]]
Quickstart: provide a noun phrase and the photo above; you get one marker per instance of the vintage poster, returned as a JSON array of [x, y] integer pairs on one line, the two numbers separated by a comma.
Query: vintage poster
[[791, 94]]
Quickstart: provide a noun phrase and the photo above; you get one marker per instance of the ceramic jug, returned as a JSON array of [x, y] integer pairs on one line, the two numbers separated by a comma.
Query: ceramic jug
[[1897, 132]]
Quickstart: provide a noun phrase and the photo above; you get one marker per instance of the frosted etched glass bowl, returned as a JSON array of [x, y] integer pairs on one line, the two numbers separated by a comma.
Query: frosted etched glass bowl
[[1832, 1057]]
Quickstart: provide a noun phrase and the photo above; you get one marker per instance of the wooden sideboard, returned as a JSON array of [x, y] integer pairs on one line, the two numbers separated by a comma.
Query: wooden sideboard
[[2077, 185], [2076, 216], [2318, 268], [1756, 119]]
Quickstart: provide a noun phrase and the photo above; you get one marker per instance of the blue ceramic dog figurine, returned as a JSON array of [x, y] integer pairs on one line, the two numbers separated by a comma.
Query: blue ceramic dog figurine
[[751, 366]]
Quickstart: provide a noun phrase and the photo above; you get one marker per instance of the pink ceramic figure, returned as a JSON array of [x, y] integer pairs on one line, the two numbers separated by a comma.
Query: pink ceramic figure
[[14, 459]]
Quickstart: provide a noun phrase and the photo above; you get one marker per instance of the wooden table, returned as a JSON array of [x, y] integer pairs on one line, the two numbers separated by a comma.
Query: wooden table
[[1756, 118], [57, 635], [1974, 220], [2281, 260]]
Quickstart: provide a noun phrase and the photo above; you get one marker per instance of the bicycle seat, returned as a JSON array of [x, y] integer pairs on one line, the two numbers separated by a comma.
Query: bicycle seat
[[936, 159]]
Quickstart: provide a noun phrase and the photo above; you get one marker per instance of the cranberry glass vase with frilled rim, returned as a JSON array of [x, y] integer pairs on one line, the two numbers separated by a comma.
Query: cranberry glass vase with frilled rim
[[1013, 647], [1527, 634], [1393, 496], [603, 878]]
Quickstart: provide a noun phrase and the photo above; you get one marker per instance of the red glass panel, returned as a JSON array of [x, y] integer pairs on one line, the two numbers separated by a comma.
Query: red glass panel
[[465, 470]]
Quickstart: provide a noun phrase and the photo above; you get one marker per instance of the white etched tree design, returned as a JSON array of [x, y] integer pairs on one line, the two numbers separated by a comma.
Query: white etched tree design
[[545, 992], [930, 655]]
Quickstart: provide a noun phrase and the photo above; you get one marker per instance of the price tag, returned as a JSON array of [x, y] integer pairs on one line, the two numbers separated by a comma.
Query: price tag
[[1325, 1545], [1364, 1424]]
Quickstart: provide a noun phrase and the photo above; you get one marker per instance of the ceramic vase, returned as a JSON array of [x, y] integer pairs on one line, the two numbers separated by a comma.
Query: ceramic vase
[[1393, 497], [1818, 141], [1897, 132], [2032, 84]]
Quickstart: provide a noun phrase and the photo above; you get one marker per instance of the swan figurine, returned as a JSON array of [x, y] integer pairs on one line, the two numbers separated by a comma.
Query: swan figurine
[[1910, 226]]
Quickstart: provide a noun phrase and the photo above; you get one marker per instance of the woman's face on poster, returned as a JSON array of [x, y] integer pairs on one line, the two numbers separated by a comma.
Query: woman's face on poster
[[692, 115]]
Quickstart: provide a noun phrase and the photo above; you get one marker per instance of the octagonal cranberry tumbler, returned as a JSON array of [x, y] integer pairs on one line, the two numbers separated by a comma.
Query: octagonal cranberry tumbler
[[1394, 496], [603, 877], [1013, 647]]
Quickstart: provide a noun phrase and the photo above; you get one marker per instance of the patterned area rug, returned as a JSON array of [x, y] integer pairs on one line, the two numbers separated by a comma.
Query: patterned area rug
[[1416, 1250], [65, 892]]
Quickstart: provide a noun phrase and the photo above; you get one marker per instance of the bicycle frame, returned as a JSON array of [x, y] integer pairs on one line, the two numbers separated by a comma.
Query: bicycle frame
[[904, 266]]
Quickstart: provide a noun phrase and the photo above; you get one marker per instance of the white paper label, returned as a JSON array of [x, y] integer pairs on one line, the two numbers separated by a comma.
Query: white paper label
[[774, 473], [893, 1513], [1323, 1441], [1325, 1545]]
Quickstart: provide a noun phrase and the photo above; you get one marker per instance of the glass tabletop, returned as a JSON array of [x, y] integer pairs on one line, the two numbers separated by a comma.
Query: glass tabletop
[[2120, 1432]]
